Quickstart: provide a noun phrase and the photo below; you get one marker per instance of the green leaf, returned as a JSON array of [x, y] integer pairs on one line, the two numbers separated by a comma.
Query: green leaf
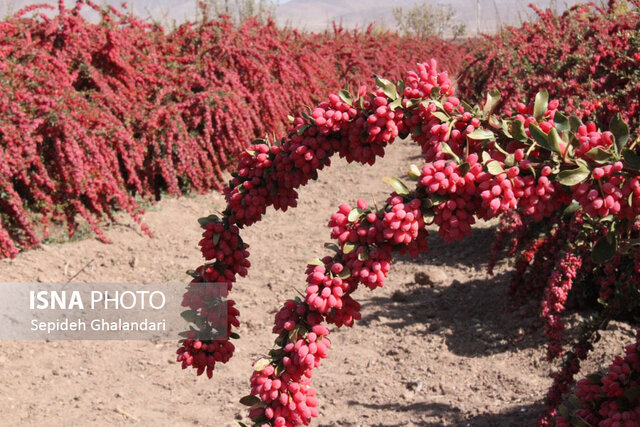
[[495, 122], [562, 122], [435, 92], [572, 177], [348, 247], [355, 214], [518, 132], [293, 333], [631, 158], [493, 97], [363, 255], [510, 160], [428, 216], [387, 87], [208, 220], [505, 129], [190, 316], [539, 136], [437, 199], [332, 246], [291, 118], [571, 208], [486, 157], [620, 130], [494, 168], [540, 105], [193, 274], [598, 154], [413, 102], [395, 104], [397, 185], [446, 149], [604, 249], [279, 370], [250, 400], [437, 103], [464, 168], [345, 273], [216, 239], [346, 97], [414, 172], [575, 123], [200, 322], [481, 135], [234, 336], [400, 87], [564, 411], [441, 116], [315, 261], [554, 141], [303, 128], [261, 364]]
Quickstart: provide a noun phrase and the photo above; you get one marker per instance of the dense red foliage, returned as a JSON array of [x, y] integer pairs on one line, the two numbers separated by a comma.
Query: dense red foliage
[[93, 115], [586, 57]]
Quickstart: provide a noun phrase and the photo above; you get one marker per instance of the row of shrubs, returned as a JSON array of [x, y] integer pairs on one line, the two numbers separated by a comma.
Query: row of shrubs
[[96, 117]]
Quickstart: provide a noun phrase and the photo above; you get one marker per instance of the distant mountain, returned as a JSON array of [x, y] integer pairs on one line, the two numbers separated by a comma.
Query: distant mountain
[[317, 15]]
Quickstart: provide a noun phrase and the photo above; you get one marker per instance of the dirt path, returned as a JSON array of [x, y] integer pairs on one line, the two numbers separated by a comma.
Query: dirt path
[[436, 346]]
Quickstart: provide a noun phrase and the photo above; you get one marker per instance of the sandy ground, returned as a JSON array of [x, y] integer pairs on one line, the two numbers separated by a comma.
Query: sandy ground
[[437, 345]]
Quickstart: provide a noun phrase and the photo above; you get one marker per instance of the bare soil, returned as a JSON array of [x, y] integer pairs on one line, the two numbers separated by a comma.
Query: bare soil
[[438, 345]]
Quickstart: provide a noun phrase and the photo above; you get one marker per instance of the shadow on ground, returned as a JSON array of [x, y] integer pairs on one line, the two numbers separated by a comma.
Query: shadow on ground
[[470, 308], [471, 252], [525, 415], [473, 316]]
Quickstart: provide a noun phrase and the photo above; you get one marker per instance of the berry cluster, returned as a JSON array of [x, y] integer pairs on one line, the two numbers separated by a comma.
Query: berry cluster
[[603, 195], [198, 350], [455, 215], [203, 355], [290, 403], [421, 83], [325, 287], [402, 223], [223, 245], [589, 138], [611, 399], [328, 115], [540, 197]]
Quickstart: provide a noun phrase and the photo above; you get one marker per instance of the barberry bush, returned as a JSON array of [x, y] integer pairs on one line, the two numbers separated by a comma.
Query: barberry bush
[[607, 399], [567, 194], [588, 57], [96, 116]]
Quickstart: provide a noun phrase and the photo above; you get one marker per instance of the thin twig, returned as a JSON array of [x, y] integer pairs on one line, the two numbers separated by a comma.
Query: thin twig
[[126, 414], [81, 270]]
